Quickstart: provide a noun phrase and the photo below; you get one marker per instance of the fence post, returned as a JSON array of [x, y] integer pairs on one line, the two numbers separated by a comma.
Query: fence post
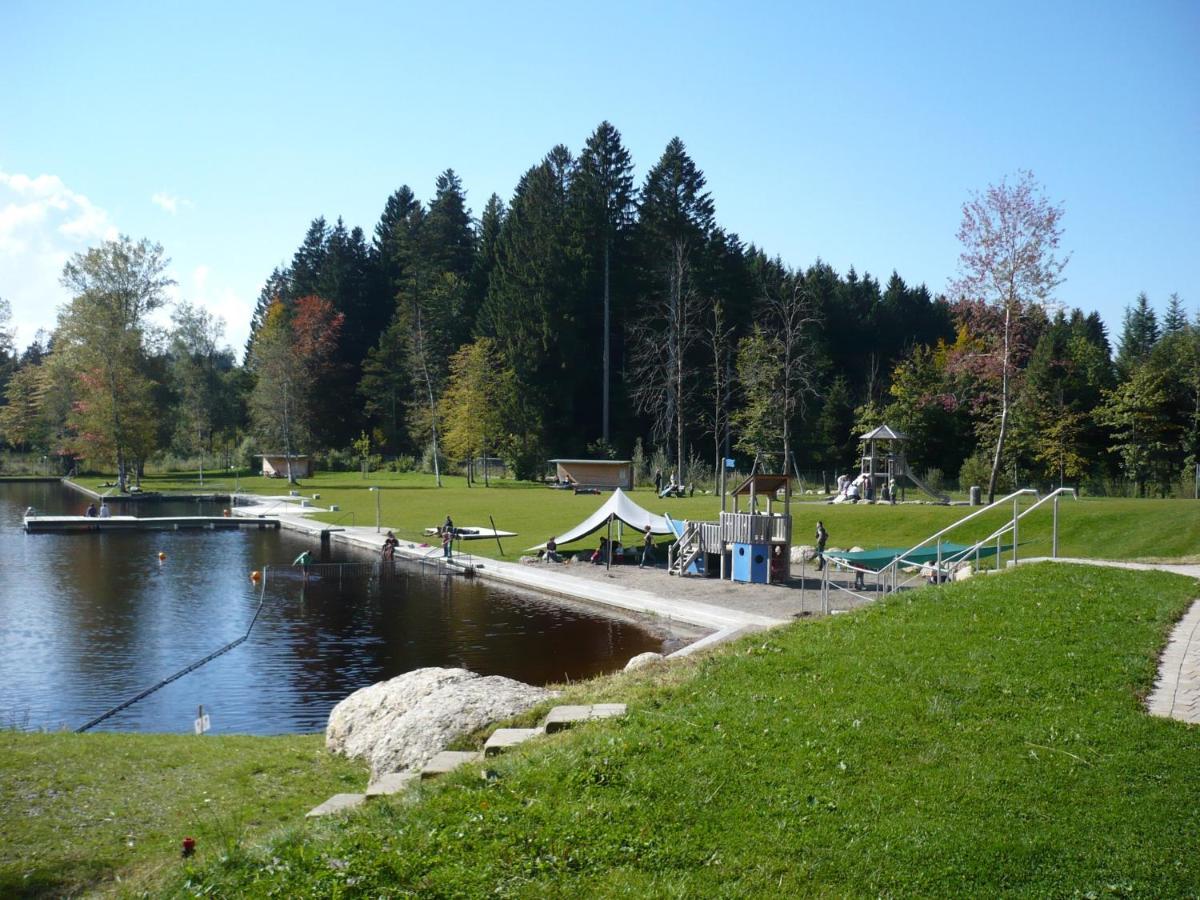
[[1054, 537], [1015, 530]]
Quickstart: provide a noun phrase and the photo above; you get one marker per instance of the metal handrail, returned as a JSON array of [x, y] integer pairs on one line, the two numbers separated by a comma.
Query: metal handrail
[[979, 512], [1011, 525]]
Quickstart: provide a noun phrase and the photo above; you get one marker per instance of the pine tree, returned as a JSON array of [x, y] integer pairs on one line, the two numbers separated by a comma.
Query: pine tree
[[604, 196], [532, 305], [1175, 320], [1139, 334], [675, 219], [304, 274]]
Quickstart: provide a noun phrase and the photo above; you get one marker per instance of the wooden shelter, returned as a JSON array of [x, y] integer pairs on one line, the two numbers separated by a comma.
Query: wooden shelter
[[604, 474], [275, 465]]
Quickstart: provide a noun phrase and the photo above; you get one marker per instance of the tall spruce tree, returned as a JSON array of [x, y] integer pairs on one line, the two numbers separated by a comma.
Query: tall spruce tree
[[604, 197], [1139, 334], [676, 217]]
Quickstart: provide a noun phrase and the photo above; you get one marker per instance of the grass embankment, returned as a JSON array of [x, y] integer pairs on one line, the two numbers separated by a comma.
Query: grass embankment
[[82, 811], [983, 739], [409, 502]]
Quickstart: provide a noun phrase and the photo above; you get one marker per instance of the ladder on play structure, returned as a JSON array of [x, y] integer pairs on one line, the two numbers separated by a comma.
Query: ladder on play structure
[[686, 549]]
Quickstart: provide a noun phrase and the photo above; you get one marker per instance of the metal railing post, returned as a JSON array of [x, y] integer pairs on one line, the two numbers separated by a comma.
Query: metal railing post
[[1054, 533], [938, 572], [1016, 518]]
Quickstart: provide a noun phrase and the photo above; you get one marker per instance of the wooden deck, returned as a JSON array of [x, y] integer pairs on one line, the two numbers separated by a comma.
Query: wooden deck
[[88, 524]]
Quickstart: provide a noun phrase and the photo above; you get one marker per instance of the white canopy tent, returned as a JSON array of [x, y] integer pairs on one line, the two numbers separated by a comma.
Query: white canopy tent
[[620, 508]]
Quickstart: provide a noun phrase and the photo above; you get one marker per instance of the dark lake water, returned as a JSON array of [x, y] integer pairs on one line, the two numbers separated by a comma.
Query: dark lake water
[[88, 620]]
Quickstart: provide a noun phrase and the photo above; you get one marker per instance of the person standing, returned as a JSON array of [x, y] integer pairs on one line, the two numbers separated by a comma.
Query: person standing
[[304, 561], [447, 539], [822, 540], [658, 481], [647, 549]]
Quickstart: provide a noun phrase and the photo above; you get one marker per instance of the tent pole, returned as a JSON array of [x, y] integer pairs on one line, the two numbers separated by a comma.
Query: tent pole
[[608, 552]]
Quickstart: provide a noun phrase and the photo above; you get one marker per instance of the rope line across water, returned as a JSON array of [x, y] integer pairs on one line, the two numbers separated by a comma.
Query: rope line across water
[[262, 596]]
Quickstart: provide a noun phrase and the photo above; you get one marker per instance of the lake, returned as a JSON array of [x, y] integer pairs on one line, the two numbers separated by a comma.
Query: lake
[[88, 620]]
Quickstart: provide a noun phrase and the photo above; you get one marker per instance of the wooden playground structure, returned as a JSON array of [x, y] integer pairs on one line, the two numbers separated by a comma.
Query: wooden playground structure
[[751, 546]]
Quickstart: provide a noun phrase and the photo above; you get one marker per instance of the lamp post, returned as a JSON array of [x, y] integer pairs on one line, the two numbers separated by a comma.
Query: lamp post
[[376, 492]]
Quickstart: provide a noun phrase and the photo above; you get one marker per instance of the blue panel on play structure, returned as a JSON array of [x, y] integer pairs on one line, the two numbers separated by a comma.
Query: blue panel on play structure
[[751, 563]]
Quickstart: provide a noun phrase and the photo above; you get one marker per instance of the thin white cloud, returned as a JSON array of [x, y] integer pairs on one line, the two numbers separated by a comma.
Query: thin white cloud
[[169, 203], [42, 223]]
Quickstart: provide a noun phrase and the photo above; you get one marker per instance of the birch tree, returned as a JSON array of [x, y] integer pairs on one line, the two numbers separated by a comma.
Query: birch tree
[[1010, 238]]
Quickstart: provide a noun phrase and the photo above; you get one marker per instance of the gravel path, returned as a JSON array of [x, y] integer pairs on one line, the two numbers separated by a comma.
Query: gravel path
[[799, 597]]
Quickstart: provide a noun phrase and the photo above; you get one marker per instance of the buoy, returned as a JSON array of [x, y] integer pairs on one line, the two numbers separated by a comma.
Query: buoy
[[162, 557], [256, 576]]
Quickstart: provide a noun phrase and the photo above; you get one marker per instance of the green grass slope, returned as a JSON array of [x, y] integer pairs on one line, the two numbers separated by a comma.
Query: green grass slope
[[979, 739], [98, 812]]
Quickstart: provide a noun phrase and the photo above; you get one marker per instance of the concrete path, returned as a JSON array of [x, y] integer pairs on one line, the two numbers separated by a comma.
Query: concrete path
[[1176, 693], [724, 621]]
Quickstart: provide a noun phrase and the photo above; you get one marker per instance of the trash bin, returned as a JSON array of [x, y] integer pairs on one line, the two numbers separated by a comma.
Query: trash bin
[[976, 495]]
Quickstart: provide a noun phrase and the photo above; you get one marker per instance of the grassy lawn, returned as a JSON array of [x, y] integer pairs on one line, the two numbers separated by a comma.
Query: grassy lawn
[[410, 502], [82, 811], [980, 740]]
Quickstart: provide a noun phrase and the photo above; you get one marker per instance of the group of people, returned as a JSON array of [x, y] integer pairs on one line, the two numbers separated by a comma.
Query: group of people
[[103, 513], [853, 493], [601, 555]]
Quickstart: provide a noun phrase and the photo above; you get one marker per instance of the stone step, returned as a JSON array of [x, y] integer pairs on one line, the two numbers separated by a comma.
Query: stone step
[[392, 783], [504, 738], [562, 717], [336, 804], [448, 761]]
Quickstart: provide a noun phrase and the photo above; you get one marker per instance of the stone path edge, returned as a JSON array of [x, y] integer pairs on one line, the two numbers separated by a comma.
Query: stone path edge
[[725, 623], [1176, 692]]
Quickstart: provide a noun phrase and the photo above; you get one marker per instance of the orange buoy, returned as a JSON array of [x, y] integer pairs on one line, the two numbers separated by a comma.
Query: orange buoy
[[162, 557], [256, 576]]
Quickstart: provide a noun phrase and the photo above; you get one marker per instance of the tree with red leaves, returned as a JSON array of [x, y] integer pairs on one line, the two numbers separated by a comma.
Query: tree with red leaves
[[292, 350], [1009, 262]]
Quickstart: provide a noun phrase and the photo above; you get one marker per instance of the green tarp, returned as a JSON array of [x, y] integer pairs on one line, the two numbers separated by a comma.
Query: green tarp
[[882, 557]]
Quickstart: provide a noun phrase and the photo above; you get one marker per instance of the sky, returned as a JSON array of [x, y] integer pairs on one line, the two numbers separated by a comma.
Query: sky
[[847, 132]]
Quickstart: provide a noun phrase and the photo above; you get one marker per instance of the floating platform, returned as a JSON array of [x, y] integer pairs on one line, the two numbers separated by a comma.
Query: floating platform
[[471, 533], [86, 524]]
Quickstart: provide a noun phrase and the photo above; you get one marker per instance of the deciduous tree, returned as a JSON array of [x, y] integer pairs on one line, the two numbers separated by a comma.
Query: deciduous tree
[[1010, 239]]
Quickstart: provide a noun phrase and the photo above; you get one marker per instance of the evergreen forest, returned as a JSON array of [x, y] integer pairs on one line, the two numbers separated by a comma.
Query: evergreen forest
[[602, 312]]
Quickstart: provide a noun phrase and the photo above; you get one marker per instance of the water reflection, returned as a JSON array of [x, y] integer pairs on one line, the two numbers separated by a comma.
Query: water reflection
[[88, 620]]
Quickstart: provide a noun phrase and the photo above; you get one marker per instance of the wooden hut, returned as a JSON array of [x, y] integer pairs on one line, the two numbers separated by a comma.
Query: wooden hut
[[275, 465], [602, 474]]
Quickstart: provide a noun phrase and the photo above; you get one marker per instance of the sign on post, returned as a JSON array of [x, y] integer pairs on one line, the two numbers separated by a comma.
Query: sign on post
[[729, 463], [202, 723]]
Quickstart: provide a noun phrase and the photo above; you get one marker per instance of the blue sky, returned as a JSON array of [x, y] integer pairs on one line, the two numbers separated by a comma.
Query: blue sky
[[850, 132]]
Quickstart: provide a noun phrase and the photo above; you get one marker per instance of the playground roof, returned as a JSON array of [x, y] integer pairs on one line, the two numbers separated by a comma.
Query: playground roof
[[883, 433], [618, 506], [762, 483]]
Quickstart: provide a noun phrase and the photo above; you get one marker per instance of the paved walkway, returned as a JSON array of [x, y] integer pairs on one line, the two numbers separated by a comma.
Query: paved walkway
[[1176, 693], [725, 622]]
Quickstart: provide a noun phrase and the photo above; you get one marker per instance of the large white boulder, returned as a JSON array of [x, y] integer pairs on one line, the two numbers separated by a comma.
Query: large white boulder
[[803, 553], [643, 659], [400, 724]]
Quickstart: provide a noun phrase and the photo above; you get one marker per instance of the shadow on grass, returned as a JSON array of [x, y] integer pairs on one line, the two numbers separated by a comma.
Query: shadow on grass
[[52, 879]]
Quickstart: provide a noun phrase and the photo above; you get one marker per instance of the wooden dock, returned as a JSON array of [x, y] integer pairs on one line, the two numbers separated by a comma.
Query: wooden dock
[[88, 524]]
